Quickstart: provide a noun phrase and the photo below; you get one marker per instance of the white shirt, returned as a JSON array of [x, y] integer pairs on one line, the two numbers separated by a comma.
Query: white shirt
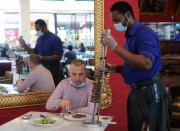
[[39, 80]]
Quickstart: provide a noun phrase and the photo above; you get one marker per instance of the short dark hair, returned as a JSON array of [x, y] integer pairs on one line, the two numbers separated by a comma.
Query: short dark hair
[[40, 22], [78, 62], [122, 7], [34, 58], [70, 47]]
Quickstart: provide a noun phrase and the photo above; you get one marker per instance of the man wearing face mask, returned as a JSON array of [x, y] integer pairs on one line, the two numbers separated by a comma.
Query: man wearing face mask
[[74, 93], [49, 48], [147, 101]]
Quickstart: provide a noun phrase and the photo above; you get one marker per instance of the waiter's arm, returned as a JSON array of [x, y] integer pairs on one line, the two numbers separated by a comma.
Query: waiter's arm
[[50, 58], [147, 50], [137, 61], [27, 48], [114, 68]]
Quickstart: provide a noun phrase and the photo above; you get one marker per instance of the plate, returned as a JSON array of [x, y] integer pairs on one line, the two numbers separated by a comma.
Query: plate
[[102, 119], [71, 118], [51, 121], [3, 89], [105, 118]]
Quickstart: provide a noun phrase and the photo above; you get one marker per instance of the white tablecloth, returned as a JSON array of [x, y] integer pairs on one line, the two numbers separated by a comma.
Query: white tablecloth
[[20, 124], [10, 88]]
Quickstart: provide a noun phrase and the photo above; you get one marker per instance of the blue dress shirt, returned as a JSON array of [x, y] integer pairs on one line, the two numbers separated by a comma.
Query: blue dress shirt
[[143, 41], [47, 45]]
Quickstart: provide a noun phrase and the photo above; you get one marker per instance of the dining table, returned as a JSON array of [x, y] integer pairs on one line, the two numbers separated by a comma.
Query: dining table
[[8, 89], [5, 65], [23, 124]]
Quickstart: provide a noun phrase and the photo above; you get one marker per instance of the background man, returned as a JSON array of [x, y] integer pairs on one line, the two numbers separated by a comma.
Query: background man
[[39, 79], [49, 47], [70, 55]]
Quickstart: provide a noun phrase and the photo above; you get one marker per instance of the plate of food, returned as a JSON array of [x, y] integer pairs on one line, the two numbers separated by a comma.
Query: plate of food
[[105, 118], [3, 89], [103, 121], [46, 121], [77, 117]]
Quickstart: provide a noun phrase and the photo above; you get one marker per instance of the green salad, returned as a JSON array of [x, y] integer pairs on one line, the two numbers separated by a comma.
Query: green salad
[[2, 88], [45, 121]]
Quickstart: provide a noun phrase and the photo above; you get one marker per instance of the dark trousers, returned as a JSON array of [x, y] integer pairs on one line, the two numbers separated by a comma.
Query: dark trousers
[[56, 72], [148, 104]]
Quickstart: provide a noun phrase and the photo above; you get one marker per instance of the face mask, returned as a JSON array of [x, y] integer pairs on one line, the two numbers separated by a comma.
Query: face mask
[[78, 86], [119, 27], [39, 33]]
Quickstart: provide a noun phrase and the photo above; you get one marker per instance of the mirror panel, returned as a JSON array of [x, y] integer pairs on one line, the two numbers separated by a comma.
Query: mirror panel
[[31, 98]]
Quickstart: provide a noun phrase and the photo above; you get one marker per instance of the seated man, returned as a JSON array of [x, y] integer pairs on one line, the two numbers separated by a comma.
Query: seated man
[[74, 93], [70, 55], [39, 79]]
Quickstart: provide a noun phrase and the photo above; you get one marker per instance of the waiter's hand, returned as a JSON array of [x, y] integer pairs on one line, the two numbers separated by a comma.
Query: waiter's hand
[[22, 41], [108, 39], [64, 104], [114, 68], [111, 68], [40, 56]]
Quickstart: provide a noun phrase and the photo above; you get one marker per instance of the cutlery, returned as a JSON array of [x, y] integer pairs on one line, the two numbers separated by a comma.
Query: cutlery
[[109, 123], [27, 116], [44, 117], [73, 114]]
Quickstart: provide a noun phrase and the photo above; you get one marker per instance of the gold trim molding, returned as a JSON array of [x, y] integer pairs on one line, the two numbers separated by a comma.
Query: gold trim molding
[[106, 94], [30, 98], [23, 99]]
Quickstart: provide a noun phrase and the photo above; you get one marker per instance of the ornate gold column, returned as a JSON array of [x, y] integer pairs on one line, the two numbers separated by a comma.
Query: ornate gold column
[[106, 96]]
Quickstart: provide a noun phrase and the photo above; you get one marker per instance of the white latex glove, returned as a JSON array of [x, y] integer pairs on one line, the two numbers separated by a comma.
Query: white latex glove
[[40, 56], [108, 39]]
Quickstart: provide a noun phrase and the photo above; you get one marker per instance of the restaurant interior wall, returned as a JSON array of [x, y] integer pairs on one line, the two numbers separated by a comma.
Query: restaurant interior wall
[[171, 12]]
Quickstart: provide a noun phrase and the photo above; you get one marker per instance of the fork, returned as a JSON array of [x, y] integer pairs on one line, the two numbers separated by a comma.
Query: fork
[[70, 112], [44, 117]]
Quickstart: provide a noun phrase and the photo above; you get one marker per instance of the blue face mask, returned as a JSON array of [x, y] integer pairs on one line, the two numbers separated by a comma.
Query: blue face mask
[[78, 86], [119, 26], [39, 33]]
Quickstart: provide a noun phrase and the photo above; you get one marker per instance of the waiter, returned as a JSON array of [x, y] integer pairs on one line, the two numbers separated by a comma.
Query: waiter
[[49, 48], [147, 102]]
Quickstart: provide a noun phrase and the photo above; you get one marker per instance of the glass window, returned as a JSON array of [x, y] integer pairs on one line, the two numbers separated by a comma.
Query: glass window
[[11, 27], [165, 30], [49, 18], [76, 28]]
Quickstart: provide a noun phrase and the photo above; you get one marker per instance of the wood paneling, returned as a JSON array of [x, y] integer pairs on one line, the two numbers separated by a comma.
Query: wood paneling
[[168, 15]]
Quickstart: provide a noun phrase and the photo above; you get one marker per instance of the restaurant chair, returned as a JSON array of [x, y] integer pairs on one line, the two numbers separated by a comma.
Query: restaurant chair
[[89, 73], [91, 62], [7, 79], [6, 75], [170, 78], [175, 106]]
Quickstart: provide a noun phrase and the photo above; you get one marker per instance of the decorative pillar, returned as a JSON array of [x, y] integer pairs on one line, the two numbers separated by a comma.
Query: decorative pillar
[[2, 27], [24, 13]]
